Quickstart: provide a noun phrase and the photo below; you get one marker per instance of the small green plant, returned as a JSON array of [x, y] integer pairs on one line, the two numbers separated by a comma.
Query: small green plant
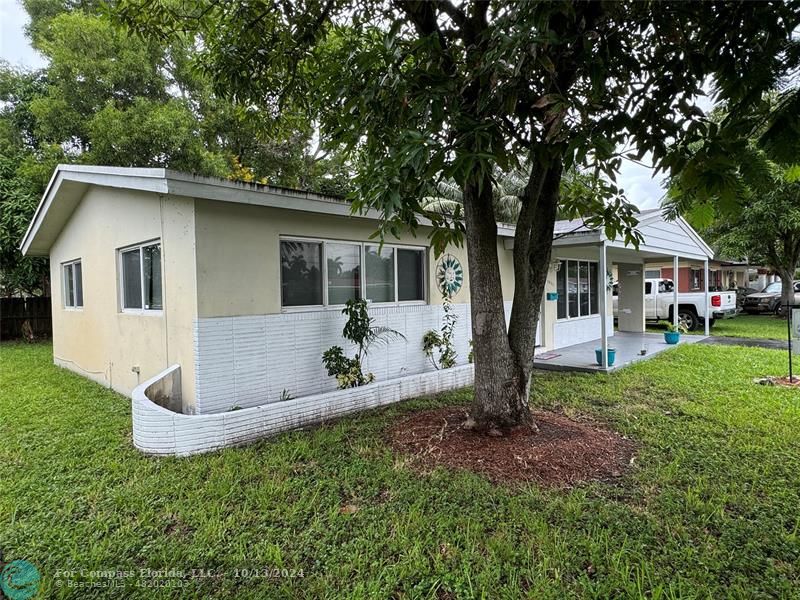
[[671, 327], [442, 341], [286, 395], [360, 331]]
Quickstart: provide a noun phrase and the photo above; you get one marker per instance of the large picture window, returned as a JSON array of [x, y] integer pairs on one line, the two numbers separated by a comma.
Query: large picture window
[[329, 273], [141, 277], [73, 284], [577, 285]]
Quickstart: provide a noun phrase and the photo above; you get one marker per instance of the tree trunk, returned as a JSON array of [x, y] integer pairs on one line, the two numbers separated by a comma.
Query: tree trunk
[[501, 381]]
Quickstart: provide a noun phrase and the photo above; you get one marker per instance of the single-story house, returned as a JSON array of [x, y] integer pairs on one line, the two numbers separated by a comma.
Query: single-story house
[[722, 275], [210, 302]]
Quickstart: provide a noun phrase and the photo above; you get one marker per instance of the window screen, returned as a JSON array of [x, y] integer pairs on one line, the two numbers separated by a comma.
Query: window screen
[[410, 275], [301, 273], [380, 273], [344, 272], [69, 286], [561, 288], [572, 288], [151, 256], [131, 279]]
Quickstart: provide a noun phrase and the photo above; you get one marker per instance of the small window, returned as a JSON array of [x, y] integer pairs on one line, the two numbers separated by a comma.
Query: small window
[[594, 286], [344, 272], [648, 288], [380, 273], [561, 289], [695, 278], [73, 284], [410, 275], [301, 273], [141, 277]]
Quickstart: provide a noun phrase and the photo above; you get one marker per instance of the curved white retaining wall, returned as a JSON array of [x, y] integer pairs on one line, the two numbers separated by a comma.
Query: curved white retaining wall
[[159, 431]]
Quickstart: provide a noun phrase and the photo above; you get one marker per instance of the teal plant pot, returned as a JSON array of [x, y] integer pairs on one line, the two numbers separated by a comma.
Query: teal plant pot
[[672, 337], [598, 356]]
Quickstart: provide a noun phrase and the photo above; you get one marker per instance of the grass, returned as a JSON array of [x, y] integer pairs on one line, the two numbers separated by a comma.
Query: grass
[[766, 327], [709, 510]]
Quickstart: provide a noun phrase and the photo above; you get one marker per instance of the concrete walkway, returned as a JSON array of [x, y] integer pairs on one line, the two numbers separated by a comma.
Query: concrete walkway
[[628, 346], [749, 342]]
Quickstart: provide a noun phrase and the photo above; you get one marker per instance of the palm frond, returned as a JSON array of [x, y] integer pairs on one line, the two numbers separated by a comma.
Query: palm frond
[[441, 206], [381, 335]]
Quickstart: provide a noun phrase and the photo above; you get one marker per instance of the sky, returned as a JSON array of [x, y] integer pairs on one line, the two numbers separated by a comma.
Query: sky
[[641, 188]]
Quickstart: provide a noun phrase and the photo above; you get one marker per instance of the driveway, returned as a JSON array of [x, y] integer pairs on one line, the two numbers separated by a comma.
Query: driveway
[[749, 342]]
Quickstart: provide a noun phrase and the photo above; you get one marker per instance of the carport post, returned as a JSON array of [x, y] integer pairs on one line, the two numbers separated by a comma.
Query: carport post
[[708, 308], [602, 296], [675, 279]]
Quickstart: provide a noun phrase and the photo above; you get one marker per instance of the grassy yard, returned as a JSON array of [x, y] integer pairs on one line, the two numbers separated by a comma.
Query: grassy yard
[[745, 326], [711, 508]]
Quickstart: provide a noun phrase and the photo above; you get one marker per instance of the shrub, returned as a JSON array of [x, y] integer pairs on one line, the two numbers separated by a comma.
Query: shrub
[[360, 331], [442, 341]]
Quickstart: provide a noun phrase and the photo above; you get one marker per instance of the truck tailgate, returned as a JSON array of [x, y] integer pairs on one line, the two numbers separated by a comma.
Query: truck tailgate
[[727, 301]]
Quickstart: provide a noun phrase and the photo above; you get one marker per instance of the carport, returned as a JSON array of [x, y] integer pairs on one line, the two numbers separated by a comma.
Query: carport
[[567, 330]]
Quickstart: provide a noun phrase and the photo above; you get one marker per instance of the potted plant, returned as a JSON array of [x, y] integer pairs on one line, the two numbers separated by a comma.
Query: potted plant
[[598, 356], [673, 333]]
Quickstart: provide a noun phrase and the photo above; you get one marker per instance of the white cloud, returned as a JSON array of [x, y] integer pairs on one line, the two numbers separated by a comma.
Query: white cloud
[[641, 187], [14, 46]]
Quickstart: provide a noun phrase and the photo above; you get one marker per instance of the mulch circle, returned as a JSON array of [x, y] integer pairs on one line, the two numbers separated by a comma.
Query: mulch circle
[[563, 453]]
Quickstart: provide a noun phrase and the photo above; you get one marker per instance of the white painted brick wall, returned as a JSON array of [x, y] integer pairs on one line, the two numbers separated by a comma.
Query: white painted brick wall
[[249, 361], [161, 432]]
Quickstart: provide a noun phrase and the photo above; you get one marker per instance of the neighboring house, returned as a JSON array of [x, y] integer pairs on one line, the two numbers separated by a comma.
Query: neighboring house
[[216, 299], [723, 275]]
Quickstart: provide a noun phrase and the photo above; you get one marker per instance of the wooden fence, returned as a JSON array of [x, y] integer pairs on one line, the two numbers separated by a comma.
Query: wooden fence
[[15, 311]]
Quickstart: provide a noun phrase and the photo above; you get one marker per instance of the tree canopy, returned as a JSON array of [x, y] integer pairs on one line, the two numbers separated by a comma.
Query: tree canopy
[[108, 98], [743, 191], [424, 92]]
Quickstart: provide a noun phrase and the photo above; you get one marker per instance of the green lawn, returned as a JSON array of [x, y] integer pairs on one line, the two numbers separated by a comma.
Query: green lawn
[[711, 508], [744, 326]]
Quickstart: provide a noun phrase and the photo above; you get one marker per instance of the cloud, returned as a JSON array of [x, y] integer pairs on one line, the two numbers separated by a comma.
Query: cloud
[[14, 45], [641, 187]]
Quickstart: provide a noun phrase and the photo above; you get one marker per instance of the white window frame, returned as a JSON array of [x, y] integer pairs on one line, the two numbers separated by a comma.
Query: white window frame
[[71, 264], [363, 283], [155, 312], [600, 287]]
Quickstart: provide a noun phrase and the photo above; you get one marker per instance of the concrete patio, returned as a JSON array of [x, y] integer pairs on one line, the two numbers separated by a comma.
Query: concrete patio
[[581, 357]]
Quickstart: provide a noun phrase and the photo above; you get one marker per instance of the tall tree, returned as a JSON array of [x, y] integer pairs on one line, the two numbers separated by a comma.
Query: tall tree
[[741, 184], [429, 90], [106, 98]]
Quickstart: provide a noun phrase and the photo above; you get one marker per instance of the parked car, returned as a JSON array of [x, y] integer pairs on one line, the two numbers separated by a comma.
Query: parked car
[[741, 294], [659, 300], [769, 299]]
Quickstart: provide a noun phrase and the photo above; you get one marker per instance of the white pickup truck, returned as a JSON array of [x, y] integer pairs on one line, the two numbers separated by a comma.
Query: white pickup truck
[[659, 298]]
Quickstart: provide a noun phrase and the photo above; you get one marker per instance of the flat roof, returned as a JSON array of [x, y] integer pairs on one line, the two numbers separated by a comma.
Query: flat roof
[[70, 182]]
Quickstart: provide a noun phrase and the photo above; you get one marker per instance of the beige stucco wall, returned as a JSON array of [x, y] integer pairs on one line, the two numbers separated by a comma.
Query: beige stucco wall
[[99, 340], [238, 265]]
